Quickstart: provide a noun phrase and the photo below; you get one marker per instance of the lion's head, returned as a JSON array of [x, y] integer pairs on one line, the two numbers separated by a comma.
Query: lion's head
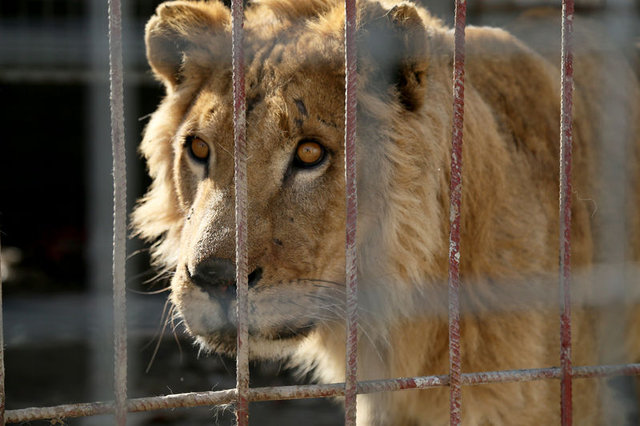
[[295, 132]]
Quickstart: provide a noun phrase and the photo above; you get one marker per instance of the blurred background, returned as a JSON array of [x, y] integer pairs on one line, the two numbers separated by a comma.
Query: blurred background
[[56, 214]]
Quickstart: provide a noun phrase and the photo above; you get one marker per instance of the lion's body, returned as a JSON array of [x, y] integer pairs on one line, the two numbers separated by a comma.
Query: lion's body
[[509, 245]]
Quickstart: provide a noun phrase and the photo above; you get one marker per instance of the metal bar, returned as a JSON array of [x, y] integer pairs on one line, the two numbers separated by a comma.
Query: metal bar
[[240, 181], [566, 139], [24, 75], [455, 363], [2, 390], [599, 371], [133, 405], [119, 210], [196, 399], [351, 384]]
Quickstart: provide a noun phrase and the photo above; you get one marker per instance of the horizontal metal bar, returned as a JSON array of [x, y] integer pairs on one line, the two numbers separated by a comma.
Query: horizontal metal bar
[[192, 399], [197, 399], [606, 371], [72, 76]]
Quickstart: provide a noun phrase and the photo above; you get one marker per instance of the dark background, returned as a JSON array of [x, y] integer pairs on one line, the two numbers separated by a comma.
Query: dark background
[[56, 215]]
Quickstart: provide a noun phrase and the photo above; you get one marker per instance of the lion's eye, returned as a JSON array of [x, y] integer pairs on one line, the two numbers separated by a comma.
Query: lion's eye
[[309, 153], [198, 148]]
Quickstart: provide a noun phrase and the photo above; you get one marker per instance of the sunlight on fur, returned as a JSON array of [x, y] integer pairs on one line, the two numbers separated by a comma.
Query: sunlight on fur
[[296, 218]]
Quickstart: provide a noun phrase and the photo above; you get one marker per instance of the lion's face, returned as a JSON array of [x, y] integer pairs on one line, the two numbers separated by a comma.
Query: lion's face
[[295, 171], [295, 203]]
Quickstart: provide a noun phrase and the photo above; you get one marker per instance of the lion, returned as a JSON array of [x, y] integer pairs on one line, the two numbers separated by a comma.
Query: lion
[[296, 202]]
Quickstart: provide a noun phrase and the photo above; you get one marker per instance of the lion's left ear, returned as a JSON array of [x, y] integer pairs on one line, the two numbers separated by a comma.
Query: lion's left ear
[[393, 47], [183, 31]]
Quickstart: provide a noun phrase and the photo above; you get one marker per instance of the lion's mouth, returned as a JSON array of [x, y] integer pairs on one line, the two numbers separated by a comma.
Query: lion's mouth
[[281, 313], [225, 340]]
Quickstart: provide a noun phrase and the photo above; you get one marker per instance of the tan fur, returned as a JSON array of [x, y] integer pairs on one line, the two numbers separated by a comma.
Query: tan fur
[[295, 91]]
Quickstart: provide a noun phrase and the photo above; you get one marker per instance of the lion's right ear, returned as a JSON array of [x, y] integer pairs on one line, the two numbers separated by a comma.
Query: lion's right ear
[[182, 29], [395, 41]]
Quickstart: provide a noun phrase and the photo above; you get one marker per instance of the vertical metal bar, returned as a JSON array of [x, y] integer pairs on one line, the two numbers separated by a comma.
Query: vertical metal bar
[[119, 210], [351, 383], [2, 392], [455, 366], [240, 170], [566, 140]]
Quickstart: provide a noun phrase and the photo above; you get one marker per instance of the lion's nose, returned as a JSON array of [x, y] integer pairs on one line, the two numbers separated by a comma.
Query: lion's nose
[[217, 276]]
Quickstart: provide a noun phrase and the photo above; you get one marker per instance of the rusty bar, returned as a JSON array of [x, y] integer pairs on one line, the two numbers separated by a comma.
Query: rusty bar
[[297, 392], [119, 210], [508, 376], [351, 385], [240, 180], [193, 399], [402, 383], [455, 364], [566, 139], [586, 372], [2, 391], [196, 399]]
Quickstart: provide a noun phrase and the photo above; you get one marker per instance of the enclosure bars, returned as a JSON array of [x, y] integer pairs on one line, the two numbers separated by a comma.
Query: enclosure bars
[[240, 183], [199, 399], [119, 211], [565, 373], [455, 362], [351, 278], [2, 393], [566, 139]]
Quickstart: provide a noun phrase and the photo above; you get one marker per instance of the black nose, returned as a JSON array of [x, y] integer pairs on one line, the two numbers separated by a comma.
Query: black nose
[[215, 274], [217, 277]]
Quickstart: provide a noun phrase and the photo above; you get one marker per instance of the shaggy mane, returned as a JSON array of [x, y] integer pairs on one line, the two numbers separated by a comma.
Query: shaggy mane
[[296, 9]]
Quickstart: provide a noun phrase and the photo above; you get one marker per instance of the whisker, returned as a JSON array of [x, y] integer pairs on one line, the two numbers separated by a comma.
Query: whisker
[[158, 329], [136, 277], [162, 290], [225, 150], [137, 252], [163, 274], [319, 280], [173, 315], [155, 350], [373, 345]]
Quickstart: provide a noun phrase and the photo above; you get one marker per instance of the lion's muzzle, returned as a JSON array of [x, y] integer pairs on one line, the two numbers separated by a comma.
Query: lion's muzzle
[[217, 277], [281, 312]]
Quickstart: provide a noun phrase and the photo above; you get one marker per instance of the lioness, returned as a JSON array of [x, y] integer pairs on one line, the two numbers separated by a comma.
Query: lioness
[[295, 130]]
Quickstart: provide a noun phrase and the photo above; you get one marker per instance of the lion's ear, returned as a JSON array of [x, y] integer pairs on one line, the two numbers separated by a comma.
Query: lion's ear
[[181, 28], [396, 42]]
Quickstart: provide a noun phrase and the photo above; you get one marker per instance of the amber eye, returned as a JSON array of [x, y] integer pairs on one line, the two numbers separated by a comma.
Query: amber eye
[[309, 153], [198, 148]]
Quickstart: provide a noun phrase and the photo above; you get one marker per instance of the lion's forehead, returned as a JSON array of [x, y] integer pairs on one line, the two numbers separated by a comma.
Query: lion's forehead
[[284, 101]]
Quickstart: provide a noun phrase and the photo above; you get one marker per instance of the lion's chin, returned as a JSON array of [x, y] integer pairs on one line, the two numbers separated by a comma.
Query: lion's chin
[[275, 343], [278, 322]]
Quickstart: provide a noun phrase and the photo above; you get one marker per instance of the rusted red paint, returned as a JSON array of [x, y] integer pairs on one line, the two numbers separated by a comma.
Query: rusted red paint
[[606, 371], [240, 181], [352, 211], [455, 367], [243, 394], [510, 376], [566, 139], [404, 383], [197, 399], [119, 211]]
